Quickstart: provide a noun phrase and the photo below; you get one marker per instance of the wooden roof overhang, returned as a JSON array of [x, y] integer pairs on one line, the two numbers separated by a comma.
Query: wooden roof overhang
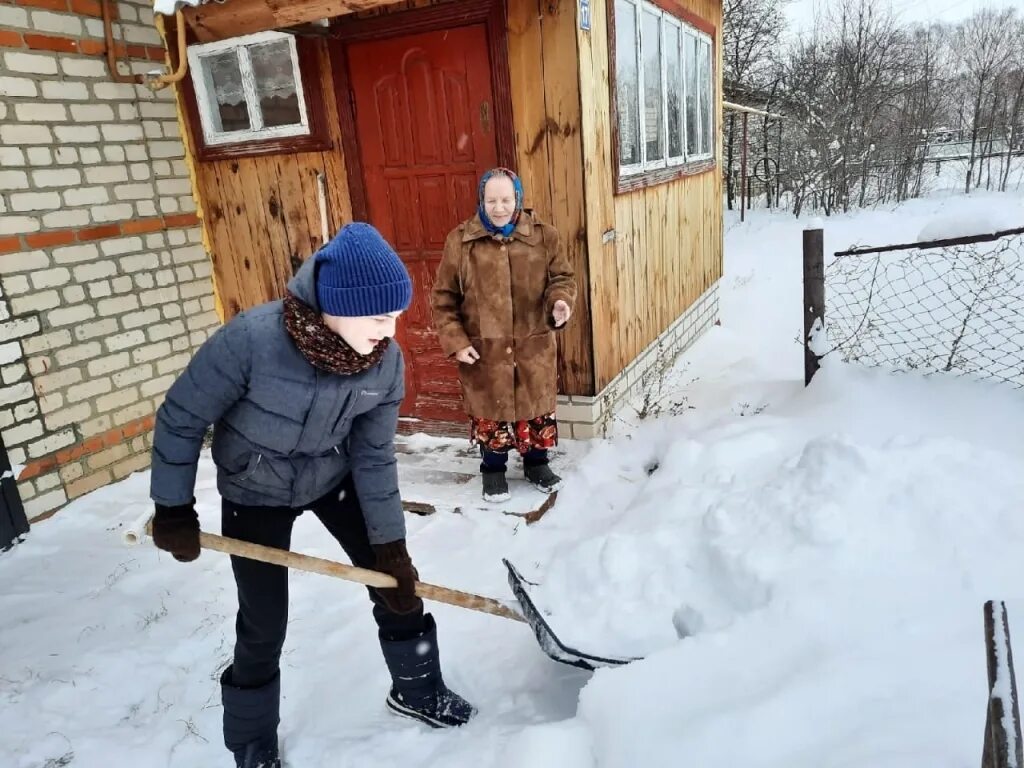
[[233, 18]]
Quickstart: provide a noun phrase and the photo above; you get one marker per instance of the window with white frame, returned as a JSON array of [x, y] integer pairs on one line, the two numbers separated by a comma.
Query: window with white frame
[[249, 88], [663, 90]]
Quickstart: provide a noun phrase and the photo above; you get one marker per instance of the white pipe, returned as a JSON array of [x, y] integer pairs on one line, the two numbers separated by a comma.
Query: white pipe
[[137, 530], [749, 110]]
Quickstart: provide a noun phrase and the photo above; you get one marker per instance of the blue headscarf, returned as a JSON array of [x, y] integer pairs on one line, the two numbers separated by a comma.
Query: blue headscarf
[[517, 185]]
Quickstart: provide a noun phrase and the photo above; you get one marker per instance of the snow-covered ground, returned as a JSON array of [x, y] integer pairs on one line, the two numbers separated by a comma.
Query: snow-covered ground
[[804, 571]]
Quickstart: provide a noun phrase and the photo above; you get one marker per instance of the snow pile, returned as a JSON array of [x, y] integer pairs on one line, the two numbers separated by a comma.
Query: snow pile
[[825, 563], [973, 216]]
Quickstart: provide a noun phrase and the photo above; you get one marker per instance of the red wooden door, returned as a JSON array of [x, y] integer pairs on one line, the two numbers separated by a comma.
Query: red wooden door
[[423, 107]]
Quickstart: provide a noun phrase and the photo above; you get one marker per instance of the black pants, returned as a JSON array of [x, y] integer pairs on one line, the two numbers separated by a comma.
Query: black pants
[[263, 588]]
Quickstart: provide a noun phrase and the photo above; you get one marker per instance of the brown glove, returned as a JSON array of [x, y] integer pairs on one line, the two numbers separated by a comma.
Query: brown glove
[[393, 558], [176, 530]]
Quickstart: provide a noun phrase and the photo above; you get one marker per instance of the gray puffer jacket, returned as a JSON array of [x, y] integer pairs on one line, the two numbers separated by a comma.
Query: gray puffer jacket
[[285, 433]]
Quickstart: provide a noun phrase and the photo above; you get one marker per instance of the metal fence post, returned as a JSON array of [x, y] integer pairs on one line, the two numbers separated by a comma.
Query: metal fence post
[[814, 295]]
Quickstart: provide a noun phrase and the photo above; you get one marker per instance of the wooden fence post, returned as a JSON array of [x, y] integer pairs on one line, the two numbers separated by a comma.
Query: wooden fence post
[[814, 296], [12, 514], [1003, 744]]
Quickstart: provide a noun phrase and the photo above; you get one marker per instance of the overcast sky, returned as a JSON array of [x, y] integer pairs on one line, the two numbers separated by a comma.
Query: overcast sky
[[801, 12]]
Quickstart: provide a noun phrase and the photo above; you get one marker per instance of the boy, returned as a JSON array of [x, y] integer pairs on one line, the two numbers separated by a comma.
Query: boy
[[303, 394]]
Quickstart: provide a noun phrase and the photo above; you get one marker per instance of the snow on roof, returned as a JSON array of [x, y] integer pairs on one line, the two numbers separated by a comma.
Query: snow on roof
[[168, 7]]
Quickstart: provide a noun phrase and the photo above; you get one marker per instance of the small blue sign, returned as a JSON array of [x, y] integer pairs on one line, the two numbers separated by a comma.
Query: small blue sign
[[585, 14]]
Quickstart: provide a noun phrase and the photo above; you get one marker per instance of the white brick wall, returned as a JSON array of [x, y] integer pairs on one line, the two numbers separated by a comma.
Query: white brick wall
[[33, 201], [65, 177], [133, 375], [48, 278], [13, 17], [107, 174], [30, 63], [92, 321], [15, 393], [54, 442], [10, 351], [17, 225], [12, 180], [64, 91], [41, 112], [60, 23], [585, 417], [104, 213], [35, 302], [25, 134], [17, 86]]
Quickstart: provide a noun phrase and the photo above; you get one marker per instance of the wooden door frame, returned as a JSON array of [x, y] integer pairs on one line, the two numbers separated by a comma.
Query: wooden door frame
[[460, 13]]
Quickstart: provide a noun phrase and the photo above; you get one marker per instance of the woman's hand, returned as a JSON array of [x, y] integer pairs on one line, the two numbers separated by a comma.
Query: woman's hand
[[561, 313], [469, 355]]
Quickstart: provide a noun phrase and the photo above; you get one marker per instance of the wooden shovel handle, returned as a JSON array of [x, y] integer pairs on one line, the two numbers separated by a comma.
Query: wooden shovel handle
[[351, 573]]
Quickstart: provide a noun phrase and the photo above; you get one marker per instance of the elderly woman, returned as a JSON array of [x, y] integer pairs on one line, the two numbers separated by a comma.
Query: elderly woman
[[503, 287], [303, 395]]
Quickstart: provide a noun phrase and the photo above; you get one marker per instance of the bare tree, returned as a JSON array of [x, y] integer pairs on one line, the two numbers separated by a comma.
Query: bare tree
[[752, 30], [871, 104], [920, 106], [986, 43], [1014, 89], [846, 80]]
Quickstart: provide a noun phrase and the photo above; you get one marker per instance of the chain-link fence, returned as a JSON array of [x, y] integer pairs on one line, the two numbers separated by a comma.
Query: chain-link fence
[[950, 305]]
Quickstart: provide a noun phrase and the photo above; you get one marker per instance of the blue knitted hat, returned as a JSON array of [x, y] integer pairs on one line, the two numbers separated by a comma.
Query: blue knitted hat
[[359, 274]]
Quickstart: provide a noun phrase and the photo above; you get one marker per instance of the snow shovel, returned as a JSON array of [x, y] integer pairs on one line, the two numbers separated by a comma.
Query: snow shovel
[[528, 612]]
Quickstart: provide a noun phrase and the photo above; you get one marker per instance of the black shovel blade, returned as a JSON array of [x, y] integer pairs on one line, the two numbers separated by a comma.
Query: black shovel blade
[[548, 640]]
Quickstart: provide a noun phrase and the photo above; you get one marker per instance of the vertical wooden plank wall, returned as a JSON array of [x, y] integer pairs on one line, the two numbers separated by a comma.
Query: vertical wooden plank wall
[[262, 214], [546, 110], [609, 281], [667, 246]]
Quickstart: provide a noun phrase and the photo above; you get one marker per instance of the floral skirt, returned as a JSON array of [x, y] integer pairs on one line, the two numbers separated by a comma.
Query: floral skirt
[[539, 433]]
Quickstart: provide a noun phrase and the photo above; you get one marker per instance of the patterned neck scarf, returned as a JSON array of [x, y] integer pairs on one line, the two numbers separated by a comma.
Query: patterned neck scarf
[[322, 347], [517, 185]]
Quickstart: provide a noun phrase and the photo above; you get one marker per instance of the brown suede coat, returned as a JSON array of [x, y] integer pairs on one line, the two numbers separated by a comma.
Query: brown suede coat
[[498, 296]]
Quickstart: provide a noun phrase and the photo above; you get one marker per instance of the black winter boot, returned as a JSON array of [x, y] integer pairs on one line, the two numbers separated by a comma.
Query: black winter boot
[[542, 478], [251, 716], [495, 487], [417, 690]]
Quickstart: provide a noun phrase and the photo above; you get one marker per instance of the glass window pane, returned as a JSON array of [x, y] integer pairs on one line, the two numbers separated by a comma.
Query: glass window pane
[[654, 115], [627, 83], [227, 105], [275, 83], [705, 98], [690, 65], [674, 91]]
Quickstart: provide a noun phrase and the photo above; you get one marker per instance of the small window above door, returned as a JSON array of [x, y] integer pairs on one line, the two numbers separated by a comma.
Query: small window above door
[[257, 94]]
